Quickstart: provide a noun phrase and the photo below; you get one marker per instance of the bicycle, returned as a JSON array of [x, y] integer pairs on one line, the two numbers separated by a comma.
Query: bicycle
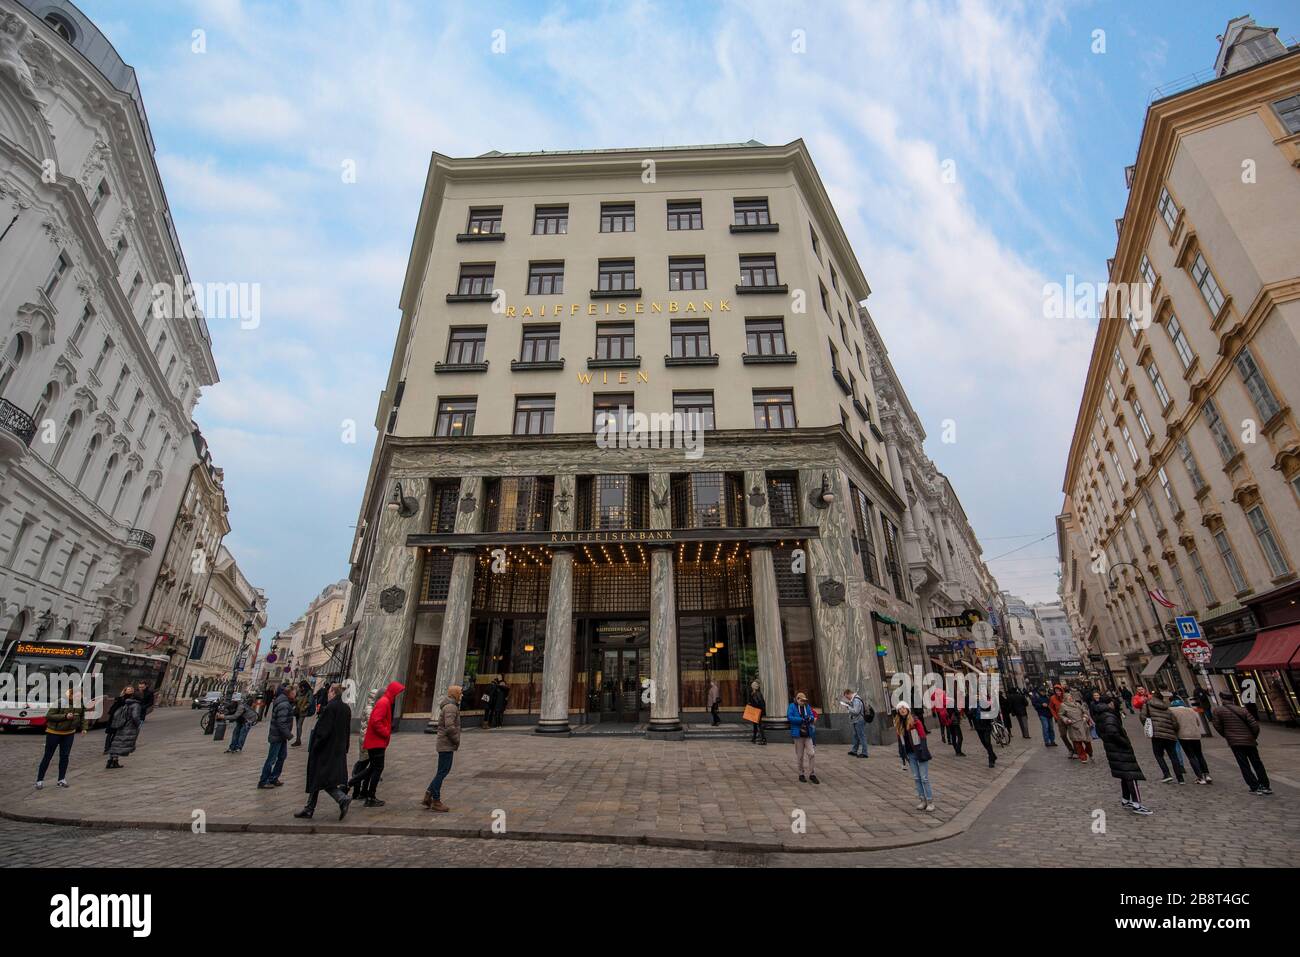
[[1001, 734]]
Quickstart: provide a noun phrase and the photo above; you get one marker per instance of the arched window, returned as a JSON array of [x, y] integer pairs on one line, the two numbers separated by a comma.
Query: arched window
[[69, 432], [144, 500], [121, 491], [13, 357], [17, 627], [91, 451], [48, 398], [109, 469], [70, 632], [62, 26]]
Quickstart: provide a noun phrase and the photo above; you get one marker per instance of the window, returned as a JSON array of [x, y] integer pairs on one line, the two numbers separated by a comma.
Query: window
[[774, 409], [864, 540], [456, 417], [1230, 560], [611, 411], [121, 380], [1179, 583], [119, 250], [617, 217], [101, 194], [1189, 463], [1110, 393], [1128, 442], [1260, 393], [1168, 209], [1167, 487], [87, 316], [1217, 429], [550, 220], [484, 220], [1181, 345], [1155, 513], [1288, 112], [1201, 577], [835, 356], [534, 415], [465, 344], [540, 344], [13, 357], [835, 279], [765, 337], [1142, 419], [685, 214], [545, 279], [1119, 363], [690, 339], [892, 563], [686, 273], [615, 340], [1161, 392], [754, 212], [1267, 543], [1119, 469], [61, 266], [696, 409], [476, 279], [616, 275], [1148, 273], [135, 405], [816, 245], [1207, 284], [758, 271]]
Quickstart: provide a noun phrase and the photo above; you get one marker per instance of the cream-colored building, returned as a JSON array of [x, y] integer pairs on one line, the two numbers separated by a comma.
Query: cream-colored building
[[230, 603], [524, 517], [326, 613], [1184, 472]]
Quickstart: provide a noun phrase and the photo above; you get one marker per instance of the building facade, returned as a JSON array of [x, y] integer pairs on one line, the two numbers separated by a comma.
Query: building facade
[[230, 602], [96, 391], [524, 515], [1183, 479], [326, 614], [175, 599]]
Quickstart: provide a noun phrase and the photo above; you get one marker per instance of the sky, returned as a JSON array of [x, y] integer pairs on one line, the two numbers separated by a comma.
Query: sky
[[974, 153]]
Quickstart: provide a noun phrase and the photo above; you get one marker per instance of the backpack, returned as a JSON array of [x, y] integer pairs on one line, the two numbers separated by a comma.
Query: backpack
[[868, 712]]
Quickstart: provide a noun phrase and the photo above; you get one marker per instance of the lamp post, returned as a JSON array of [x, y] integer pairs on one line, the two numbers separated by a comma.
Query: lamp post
[[1137, 572], [529, 649], [249, 613]]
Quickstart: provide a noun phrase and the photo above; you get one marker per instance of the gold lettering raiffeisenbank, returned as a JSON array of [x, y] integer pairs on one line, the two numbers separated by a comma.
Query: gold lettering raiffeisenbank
[[621, 308], [658, 535]]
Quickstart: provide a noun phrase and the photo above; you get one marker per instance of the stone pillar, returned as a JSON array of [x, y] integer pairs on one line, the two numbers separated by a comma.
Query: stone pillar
[[943, 546], [454, 640], [665, 710], [767, 636], [557, 662]]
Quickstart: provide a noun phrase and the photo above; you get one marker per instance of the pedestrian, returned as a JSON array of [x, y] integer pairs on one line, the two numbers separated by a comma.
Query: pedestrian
[[983, 717], [803, 731], [756, 701], [859, 717], [1004, 709], [126, 728], [62, 726], [1161, 728], [1054, 706], [714, 701], [116, 706], [1040, 699], [915, 751], [500, 698], [278, 736], [302, 710], [1139, 698], [322, 697], [1077, 725], [1188, 725], [241, 718], [1119, 753], [327, 754], [1019, 707], [447, 744], [1127, 696], [489, 701], [1204, 703], [950, 722], [1240, 729], [146, 696], [379, 729]]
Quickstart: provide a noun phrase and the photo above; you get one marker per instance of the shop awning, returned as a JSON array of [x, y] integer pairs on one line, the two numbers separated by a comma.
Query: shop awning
[[968, 666], [1275, 648], [910, 630], [1154, 665], [885, 618], [1227, 655]]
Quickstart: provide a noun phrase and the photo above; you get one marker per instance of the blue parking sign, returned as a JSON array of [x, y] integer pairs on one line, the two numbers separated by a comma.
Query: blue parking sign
[[1188, 627]]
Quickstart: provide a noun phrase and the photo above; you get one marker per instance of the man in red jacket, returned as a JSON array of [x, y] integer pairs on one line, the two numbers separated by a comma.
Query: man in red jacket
[[379, 729]]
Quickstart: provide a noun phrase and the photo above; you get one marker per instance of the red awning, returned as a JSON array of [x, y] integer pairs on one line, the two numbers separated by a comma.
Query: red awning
[[1275, 648]]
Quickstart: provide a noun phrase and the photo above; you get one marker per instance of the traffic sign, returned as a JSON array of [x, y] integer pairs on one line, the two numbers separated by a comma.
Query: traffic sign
[[1196, 650], [1188, 627]]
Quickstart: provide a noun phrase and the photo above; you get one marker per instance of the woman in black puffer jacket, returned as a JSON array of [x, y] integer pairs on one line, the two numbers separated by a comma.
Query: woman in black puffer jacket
[[1119, 751]]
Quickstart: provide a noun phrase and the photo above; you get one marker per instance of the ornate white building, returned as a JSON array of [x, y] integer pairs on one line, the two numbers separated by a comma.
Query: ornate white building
[[219, 632], [96, 391]]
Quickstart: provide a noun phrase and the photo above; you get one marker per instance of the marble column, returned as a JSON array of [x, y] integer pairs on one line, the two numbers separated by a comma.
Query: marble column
[[942, 532], [455, 625], [665, 710], [557, 661], [767, 636]]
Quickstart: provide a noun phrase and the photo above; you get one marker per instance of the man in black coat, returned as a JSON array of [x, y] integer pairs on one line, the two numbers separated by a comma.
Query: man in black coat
[[327, 754], [1019, 706]]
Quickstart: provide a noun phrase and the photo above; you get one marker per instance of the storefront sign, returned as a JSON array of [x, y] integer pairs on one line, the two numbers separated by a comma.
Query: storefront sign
[[964, 620], [986, 652]]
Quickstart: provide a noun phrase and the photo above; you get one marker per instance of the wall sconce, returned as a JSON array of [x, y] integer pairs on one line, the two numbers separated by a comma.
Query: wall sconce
[[823, 497], [528, 648], [403, 505]]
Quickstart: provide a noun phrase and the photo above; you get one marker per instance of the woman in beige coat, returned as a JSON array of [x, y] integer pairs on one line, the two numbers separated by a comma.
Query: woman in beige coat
[[1078, 725]]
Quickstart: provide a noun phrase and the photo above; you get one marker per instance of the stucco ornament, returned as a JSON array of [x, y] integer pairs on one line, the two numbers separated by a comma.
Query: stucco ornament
[[12, 64], [468, 503], [392, 599], [756, 497], [832, 591]]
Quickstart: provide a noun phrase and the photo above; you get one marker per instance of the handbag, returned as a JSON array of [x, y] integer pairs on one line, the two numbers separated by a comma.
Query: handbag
[[923, 750], [1148, 728], [752, 714]]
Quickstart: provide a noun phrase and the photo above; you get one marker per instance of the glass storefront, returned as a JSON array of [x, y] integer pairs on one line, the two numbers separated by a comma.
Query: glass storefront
[[717, 649]]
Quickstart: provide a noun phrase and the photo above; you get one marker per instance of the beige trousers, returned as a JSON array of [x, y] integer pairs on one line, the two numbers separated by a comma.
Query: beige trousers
[[804, 751]]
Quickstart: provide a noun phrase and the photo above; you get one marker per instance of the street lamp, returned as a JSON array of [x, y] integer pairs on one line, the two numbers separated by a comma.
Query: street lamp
[[249, 613], [529, 649]]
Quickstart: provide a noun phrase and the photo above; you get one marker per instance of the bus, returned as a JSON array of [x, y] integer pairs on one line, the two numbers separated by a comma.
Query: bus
[[30, 668]]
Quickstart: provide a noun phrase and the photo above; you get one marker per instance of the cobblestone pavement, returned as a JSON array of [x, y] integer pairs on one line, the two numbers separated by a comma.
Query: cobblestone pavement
[[1047, 814], [692, 792]]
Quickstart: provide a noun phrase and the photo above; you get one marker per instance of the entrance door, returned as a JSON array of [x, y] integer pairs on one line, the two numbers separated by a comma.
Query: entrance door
[[619, 681]]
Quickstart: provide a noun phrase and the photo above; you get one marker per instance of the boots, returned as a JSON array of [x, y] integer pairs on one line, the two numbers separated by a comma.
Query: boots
[[427, 800], [438, 806], [112, 763], [306, 812]]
